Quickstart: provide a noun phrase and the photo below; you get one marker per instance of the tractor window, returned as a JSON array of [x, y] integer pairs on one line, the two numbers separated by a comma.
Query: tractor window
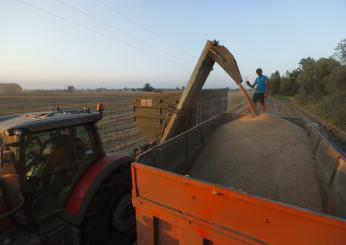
[[10, 153], [54, 161], [4, 139]]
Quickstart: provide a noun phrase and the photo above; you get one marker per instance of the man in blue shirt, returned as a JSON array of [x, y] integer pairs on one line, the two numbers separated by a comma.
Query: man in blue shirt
[[262, 87]]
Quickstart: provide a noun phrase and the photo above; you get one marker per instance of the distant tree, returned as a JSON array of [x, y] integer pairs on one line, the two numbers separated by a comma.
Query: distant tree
[[177, 88], [182, 88], [274, 82], [333, 105], [148, 88], [288, 86], [312, 74], [71, 88], [340, 51], [101, 89], [336, 82], [320, 84]]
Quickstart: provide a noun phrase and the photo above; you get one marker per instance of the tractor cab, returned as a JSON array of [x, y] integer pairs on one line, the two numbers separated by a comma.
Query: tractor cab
[[42, 157]]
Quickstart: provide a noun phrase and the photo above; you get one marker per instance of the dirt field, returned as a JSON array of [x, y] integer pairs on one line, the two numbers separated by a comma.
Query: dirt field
[[117, 128]]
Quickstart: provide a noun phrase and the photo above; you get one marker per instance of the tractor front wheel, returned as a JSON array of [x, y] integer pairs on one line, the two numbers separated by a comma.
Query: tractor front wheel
[[110, 217]]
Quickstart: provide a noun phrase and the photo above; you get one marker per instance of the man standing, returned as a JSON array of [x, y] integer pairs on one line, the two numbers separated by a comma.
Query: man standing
[[262, 88]]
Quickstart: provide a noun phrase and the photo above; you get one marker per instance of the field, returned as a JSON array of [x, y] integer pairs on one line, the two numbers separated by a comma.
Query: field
[[117, 128]]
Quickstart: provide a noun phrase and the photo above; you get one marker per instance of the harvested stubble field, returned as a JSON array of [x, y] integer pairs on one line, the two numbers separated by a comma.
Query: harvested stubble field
[[117, 128]]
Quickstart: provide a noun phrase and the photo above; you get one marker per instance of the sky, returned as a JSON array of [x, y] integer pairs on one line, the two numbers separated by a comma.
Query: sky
[[50, 44]]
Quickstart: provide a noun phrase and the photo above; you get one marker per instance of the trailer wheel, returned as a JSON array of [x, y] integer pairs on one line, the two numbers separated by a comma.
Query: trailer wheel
[[110, 217]]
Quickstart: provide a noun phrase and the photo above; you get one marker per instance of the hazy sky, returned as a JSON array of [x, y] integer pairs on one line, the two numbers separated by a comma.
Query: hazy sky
[[103, 43]]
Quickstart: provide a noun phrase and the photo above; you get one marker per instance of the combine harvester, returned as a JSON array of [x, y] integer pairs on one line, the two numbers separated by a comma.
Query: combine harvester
[[237, 179]]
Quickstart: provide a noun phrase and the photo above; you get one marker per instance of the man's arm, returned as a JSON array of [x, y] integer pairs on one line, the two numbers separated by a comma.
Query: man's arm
[[251, 85], [267, 87]]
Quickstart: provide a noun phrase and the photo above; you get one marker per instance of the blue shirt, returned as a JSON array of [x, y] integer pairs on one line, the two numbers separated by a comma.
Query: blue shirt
[[261, 84]]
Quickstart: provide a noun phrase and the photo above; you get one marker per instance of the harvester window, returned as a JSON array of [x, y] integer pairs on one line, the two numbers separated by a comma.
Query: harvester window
[[54, 161], [146, 103]]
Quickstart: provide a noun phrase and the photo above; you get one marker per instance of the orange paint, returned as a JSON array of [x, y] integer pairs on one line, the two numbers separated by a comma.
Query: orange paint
[[172, 209]]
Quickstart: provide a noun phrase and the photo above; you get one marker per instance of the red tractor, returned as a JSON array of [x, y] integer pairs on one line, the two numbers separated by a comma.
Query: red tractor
[[57, 185]]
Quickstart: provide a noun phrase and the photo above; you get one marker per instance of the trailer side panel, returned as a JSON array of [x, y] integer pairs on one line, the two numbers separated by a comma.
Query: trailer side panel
[[175, 209]]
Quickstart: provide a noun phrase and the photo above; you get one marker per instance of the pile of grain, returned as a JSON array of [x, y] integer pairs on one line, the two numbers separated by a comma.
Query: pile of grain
[[264, 156]]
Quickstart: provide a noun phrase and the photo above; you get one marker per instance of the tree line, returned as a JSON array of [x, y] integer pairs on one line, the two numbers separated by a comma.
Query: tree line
[[318, 84]]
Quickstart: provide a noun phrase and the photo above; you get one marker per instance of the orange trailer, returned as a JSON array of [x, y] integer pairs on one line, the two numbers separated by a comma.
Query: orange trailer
[[173, 208]]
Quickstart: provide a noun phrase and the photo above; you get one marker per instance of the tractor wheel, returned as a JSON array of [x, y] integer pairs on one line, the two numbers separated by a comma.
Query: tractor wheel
[[110, 217]]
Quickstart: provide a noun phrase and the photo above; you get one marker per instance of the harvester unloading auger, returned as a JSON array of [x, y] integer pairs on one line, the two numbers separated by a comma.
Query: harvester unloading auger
[[211, 53]]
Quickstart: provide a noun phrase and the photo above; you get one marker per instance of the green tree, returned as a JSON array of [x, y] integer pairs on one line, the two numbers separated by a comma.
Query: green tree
[[312, 74], [333, 105], [71, 88], [321, 84], [340, 51], [336, 82], [274, 83], [148, 88], [305, 78], [288, 84]]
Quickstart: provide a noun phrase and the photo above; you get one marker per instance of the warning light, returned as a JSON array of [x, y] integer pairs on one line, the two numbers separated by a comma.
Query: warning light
[[100, 108]]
